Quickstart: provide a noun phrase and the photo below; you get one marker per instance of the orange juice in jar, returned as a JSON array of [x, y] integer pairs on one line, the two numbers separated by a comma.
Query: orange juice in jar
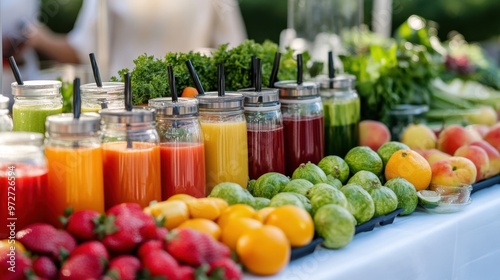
[[131, 157], [225, 136], [74, 157]]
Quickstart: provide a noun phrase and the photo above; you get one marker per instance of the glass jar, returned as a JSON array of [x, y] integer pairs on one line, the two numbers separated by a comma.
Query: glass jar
[[182, 150], [33, 102], [400, 116], [341, 108], [225, 136], [23, 181], [110, 95], [74, 156], [5, 119], [131, 156], [302, 112], [266, 152]]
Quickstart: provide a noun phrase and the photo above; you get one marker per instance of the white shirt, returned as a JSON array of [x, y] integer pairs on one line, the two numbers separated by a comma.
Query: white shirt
[[155, 27]]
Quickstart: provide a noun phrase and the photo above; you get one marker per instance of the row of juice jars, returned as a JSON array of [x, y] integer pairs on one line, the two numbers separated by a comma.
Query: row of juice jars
[[187, 146]]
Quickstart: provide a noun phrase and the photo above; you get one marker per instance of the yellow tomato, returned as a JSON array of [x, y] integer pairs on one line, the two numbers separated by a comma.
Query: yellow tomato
[[173, 212], [295, 222]]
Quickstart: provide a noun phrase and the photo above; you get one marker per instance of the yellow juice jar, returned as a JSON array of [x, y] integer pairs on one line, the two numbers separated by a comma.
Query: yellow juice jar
[[224, 130]]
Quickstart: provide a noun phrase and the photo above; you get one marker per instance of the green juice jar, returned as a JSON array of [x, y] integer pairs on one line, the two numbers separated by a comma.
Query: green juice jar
[[341, 109], [33, 102]]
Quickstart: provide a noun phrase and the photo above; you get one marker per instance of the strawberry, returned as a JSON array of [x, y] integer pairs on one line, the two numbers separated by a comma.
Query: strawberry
[[82, 266], [161, 263], [217, 250], [81, 224], [94, 248], [186, 273], [161, 233], [124, 267], [225, 268], [45, 239], [149, 246], [125, 227], [13, 269], [45, 267], [188, 246]]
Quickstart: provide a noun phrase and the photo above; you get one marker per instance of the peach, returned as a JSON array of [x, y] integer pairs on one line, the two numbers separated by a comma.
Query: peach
[[484, 115], [453, 137], [478, 156], [453, 171], [373, 134], [493, 156], [419, 136], [481, 129], [493, 137], [433, 155]]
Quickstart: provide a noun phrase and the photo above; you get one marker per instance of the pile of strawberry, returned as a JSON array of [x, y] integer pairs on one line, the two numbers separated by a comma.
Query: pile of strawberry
[[123, 243]]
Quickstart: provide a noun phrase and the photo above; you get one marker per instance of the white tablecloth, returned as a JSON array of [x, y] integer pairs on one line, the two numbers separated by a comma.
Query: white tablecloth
[[462, 245]]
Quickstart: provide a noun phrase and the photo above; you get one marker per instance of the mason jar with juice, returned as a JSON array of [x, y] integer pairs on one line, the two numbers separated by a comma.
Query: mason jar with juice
[[341, 109], [74, 156], [23, 181], [110, 95], [131, 156], [225, 136], [182, 149], [302, 112], [33, 102]]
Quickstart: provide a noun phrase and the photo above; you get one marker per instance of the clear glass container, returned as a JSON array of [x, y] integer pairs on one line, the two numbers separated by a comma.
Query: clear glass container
[[302, 112], [182, 149], [33, 102], [341, 109], [110, 95], [400, 116], [23, 181], [266, 145], [131, 156], [74, 156], [5, 118], [225, 136]]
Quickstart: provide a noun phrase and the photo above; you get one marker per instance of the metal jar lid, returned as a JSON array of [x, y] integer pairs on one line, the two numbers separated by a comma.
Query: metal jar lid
[[66, 123], [37, 88], [4, 102], [164, 106], [265, 97], [137, 115], [21, 138], [108, 88], [290, 89], [340, 82], [229, 101]]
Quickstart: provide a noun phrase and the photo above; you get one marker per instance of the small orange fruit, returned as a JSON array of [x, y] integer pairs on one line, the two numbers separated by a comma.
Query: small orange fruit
[[262, 214], [181, 197], [234, 211], [173, 212], [264, 250], [410, 165], [189, 92], [203, 225], [221, 203], [203, 208], [235, 228], [295, 222]]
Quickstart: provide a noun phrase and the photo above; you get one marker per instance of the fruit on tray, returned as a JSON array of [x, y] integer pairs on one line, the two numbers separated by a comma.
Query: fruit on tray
[[406, 194], [410, 165], [453, 171], [419, 136], [336, 167], [493, 156], [433, 155], [359, 202], [387, 149], [453, 137], [336, 225], [373, 133], [478, 156], [364, 158]]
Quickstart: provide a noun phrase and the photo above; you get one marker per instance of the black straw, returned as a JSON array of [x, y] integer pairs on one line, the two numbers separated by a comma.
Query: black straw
[[195, 78], [95, 70], [300, 71], [276, 66], [77, 100], [15, 70], [128, 104], [253, 72], [221, 89], [258, 75], [331, 68]]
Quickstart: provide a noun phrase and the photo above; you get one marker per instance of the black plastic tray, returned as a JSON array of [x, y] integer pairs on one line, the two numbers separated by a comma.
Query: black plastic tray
[[486, 183], [303, 251]]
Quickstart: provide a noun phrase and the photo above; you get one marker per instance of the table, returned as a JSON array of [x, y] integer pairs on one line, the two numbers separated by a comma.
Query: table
[[462, 245]]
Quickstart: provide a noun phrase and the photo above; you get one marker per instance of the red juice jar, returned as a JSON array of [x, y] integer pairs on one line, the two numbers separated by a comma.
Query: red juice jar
[[182, 150], [266, 146], [302, 112], [131, 156], [23, 181]]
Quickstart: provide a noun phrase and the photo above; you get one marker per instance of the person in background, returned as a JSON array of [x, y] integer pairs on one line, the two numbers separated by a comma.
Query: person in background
[[15, 14], [135, 27]]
